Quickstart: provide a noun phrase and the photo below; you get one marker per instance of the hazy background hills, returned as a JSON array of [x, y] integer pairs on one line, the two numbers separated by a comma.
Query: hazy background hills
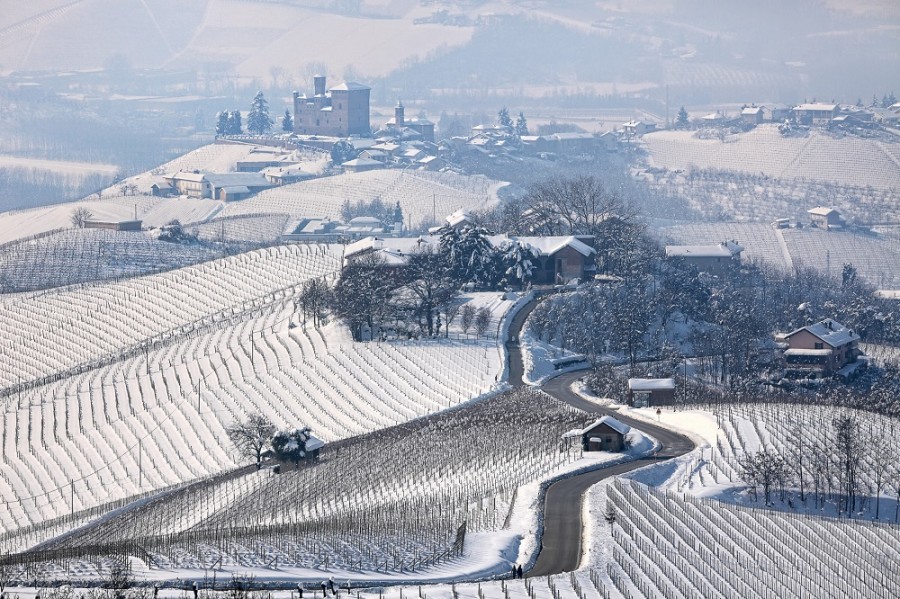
[[704, 48], [129, 84]]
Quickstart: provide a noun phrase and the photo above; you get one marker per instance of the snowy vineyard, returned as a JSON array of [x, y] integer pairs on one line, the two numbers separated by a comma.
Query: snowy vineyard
[[47, 333], [80, 445], [819, 156], [365, 506], [423, 197], [804, 436], [876, 257], [73, 256], [674, 545], [725, 194]]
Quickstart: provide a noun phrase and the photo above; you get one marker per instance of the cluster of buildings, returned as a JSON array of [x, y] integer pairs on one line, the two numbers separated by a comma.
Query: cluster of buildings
[[819, 350]]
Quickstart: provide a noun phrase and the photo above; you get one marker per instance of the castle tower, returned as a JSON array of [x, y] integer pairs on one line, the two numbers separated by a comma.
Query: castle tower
[[319, 85]]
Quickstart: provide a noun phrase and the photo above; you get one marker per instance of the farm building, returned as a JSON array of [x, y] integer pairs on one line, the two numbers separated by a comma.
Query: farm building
[[651, 392], [219, 186], [822, 349], [122, 225], [825, 218], [713, 258], [604, 434]]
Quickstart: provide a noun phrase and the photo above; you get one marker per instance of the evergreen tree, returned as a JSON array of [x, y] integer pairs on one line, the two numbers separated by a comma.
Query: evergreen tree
[[504, 118], [521, 125], [681, 121], [222, 123], [287, 121], [258, 120], [235, 126]]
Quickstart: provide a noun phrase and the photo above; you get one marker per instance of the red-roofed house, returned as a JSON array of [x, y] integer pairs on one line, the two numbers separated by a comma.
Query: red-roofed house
[[821, 349]]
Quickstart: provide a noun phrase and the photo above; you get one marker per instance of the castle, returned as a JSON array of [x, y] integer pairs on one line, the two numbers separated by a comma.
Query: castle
[[341, 111]]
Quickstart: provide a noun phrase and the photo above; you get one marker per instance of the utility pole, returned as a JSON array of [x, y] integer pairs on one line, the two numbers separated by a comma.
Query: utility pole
[[140, 465]]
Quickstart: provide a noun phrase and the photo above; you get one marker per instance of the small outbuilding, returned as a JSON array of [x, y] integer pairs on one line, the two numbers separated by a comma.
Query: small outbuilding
[[644, 393], [604, 434], [825, 218]]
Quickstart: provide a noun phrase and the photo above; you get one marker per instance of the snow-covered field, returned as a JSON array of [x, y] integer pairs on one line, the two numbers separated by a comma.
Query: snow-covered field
[[819, 157], [187, 353], [423, 196], [876, 257]]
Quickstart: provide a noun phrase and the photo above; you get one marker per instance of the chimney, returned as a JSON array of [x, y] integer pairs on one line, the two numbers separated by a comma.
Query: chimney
[[319, 85]]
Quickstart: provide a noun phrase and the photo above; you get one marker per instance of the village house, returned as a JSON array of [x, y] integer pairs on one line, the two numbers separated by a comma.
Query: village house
[[285, 175], [822, 349], [340, 111], [714, 258], [644, 393], [361, 165], [815, 113], [753, 115], [635, 128], [604, 434], [557, 259], [825, 218]]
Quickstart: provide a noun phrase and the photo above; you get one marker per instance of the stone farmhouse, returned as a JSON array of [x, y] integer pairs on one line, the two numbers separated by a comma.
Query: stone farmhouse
[[819, 350], [340, 111]]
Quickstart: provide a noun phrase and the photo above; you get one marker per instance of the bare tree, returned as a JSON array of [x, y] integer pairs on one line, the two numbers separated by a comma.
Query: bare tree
[[764, 469], [251, 436], [467, 319], [315, 297], [851, 449], [482, 320], [884, 455], [80, 216]]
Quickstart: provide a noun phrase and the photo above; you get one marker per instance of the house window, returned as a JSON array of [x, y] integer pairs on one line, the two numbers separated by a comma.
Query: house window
[[608, 440], [819, 346]]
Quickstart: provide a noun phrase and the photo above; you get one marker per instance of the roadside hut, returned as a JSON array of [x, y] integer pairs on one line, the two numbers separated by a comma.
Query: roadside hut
[[605, 434]]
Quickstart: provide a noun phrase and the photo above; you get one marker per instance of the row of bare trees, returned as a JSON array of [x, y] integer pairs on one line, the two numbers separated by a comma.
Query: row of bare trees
[[851, 465]]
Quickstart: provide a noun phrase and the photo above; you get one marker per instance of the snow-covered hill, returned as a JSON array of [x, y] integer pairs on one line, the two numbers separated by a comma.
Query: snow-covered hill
[[818, 157]]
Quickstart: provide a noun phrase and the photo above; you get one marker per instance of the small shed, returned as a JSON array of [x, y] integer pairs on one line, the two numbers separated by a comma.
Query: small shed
[[605, 434], [651, 392]]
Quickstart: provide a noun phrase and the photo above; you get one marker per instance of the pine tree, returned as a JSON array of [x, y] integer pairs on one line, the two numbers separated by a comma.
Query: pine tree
[[235, 126], [521, 125], [287, 121], [258, 120], [504, 118], [682, 120], [222, 123]]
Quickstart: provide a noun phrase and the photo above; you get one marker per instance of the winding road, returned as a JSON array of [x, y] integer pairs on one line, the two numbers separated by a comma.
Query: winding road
[[560, 549]]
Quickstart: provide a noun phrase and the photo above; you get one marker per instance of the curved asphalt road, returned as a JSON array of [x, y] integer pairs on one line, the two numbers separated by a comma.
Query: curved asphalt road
[[561, 540]]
